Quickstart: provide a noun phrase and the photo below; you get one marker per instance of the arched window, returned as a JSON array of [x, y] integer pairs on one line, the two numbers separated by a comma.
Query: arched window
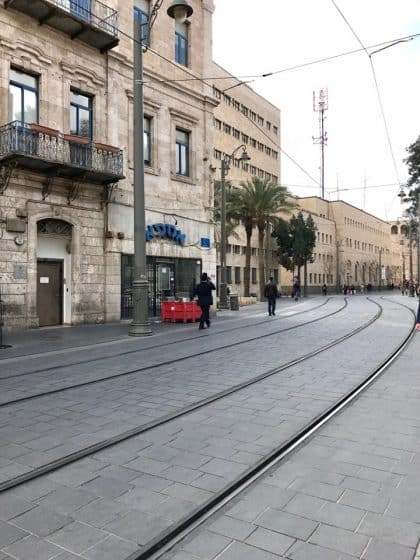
[[394, 230]]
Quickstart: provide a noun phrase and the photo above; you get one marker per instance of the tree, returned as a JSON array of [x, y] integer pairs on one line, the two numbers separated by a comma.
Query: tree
[[296, 241], [259, 204], [413, 183]]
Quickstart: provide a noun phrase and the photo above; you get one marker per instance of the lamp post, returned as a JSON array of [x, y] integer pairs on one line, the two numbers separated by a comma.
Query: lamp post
[[179, 10], [224, 171], [380, 269]]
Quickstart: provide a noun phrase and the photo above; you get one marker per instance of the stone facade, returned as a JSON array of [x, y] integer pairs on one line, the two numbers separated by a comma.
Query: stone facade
[[98, 209]]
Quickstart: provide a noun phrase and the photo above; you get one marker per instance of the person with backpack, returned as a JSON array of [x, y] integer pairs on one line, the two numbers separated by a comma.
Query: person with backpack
[[271, 292]]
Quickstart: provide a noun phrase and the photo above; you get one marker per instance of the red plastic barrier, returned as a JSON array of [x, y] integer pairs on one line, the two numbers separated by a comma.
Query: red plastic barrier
[[180, 311]]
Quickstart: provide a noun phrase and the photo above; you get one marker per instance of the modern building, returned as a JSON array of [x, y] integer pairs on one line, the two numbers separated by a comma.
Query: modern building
[[66, 157], [244, 117]]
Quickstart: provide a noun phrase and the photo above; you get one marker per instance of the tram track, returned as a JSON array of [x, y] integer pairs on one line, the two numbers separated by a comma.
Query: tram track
[[164, 363], [145, 349], [166, 540], [146, 427]]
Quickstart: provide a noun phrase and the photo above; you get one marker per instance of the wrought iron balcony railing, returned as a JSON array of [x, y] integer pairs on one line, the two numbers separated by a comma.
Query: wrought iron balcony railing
[[47, 150], [90, 21]]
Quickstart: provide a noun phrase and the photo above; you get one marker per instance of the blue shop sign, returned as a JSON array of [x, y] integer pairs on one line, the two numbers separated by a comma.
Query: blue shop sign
[[165, 231], [205, 242]]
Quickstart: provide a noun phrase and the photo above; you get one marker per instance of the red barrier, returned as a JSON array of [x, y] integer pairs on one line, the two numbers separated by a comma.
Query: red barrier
[[180, 311]]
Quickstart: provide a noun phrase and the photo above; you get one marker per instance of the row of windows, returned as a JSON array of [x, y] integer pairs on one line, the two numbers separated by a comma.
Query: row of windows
[[252, 169], [363, 246], [362, 226], [24, 106], [24, 103], [141, 16], [322, 257], [324, 237], [238, 275], [228, 129], [245, 110], [315, 278]]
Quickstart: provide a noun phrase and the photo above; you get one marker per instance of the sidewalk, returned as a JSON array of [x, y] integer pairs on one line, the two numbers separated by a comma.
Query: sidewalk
[[352, 492]]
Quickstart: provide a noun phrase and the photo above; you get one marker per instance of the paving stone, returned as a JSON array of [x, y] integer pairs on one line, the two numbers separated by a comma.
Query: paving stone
[[390, 529], [42, 521], [11, 506], [306, 506], [66, 500], [77, 537], [270, 541], [9, 534], [241, 551], [148, 466], [286, 523], [142, 499], [307, 551], [188, 493], [181, 474], [220, 467], [33, 548], [340, 515], [210, 482], [139, 527], [369, 502], [111, 548], [231, 527], [317, 489], [380, 550], [106, 487], [206, 544], [100, 512], [339, 539]]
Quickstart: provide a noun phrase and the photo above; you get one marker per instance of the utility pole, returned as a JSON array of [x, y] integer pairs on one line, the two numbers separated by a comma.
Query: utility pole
[[320, 105], [337, 267], [380, 269]]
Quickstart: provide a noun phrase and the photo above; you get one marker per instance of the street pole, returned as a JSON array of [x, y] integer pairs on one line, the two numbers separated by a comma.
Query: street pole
[[418, 237], [140, 325], [223, 303], [223, 270], [380, 269], [337, 270]]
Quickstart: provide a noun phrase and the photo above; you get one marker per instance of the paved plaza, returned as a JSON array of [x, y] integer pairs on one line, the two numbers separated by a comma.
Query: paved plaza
[[351, 492]]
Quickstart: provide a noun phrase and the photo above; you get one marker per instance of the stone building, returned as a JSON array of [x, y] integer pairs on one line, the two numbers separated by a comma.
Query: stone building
[[404, 252], [66, 157], [353, 246], [243, 117]]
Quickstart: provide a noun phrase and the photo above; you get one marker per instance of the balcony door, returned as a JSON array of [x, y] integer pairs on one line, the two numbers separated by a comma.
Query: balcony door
[[81, 8]]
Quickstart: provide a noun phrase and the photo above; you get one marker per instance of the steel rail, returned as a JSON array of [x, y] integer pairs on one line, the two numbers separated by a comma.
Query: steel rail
[[137, 350], [165, 363], [133, 432], [169, 538]]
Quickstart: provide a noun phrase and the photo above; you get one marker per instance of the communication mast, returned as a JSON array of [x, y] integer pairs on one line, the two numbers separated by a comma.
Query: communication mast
[[320, 105]]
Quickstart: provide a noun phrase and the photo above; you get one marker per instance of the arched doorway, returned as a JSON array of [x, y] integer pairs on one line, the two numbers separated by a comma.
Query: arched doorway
[[53, 272]]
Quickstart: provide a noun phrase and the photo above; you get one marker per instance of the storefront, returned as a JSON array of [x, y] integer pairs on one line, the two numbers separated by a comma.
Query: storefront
[[168, 278]]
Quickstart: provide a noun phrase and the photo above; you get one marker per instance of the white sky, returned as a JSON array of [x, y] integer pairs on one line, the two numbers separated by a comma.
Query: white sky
[[251, 37]]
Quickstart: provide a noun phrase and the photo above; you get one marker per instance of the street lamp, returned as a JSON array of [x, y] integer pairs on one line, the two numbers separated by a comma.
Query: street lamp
[[402, 196], [179, 10], [224, 171]]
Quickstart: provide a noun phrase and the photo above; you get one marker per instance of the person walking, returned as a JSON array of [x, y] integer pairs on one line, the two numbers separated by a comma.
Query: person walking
[[203, 291], [296, 290], [271, 292], [324, 289], [418, 318]]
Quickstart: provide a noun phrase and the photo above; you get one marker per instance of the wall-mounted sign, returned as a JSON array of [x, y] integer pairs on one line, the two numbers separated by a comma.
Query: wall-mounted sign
[[205, 242], [165, 231], [44, 280]]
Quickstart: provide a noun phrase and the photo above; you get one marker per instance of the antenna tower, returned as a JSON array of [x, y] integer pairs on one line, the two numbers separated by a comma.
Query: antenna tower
[[320, 105]]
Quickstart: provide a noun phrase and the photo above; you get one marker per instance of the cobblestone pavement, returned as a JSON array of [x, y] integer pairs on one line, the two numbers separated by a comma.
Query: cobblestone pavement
[[108, 505], [42, 430], [353, 491]]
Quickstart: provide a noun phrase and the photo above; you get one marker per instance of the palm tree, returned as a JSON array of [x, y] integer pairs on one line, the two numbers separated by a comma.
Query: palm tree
[[260, 201]]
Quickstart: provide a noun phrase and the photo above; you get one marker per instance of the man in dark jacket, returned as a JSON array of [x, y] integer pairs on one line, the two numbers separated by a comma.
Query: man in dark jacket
[[205, 298], [271, 292]]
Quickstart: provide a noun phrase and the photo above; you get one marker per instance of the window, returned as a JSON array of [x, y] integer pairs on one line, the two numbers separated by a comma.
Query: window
[[268, 151], [253, 169], [245, 138], [261, 146], [182, 152], [227, 99], [236, 105], [244, 250], [276, 275], [237, 274], [261, 173], [237, 249], [217, 124], [181, 43], [244, 110], [275, 129], [260, 120], [217, 154], [253, 275], [253, 116], [236, 133], [23, 89], [253, 142], [310, 278], [217, 93], [80, 114], [274, 154], [147, 144], [268, 124], [141, 17], [253, 251], [227, 128]]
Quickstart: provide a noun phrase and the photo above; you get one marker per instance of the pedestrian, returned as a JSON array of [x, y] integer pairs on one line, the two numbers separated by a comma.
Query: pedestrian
[[271, 292], [362, 288], [352, 290], [324, 289], [418, 318], [203, 291], [296, 290]]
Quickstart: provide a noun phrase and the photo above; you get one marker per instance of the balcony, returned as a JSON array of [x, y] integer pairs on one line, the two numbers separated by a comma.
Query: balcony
[[89, 21], [48, 151]]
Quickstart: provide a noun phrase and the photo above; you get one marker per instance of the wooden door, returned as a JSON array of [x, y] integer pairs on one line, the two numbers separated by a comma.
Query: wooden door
[[50, 292]]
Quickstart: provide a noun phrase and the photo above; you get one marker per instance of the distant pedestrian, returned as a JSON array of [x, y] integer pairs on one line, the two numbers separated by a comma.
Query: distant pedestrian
[[324, 289], [418, 318], [271, 292], [352, 289], [203, 291], [296, 290], [362, 288]]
